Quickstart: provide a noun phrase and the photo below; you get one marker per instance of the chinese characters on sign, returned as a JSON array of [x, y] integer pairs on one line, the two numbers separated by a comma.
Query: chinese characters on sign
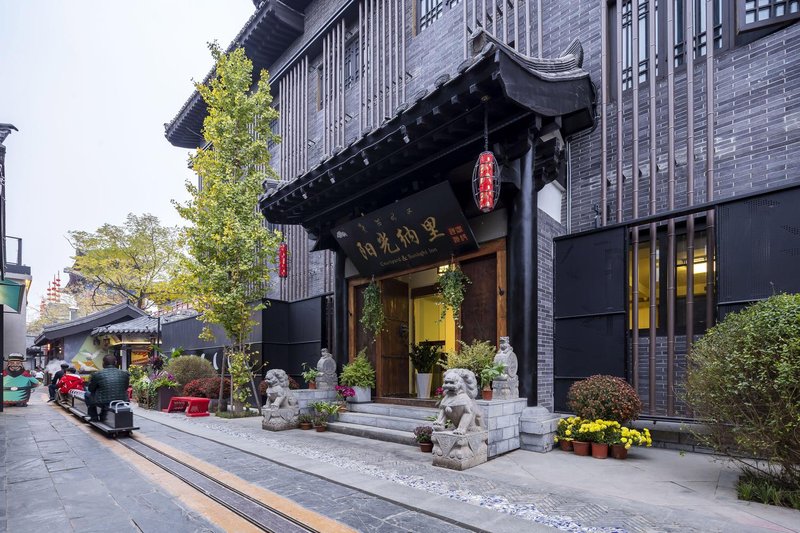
[[423, 228]]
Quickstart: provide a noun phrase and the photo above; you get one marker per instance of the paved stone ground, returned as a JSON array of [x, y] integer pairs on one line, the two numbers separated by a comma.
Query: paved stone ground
[[58, 474], [354, 508], [509, 485], [56, 477]]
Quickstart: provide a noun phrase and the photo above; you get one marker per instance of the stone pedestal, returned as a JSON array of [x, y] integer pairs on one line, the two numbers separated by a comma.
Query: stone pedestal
[[281, 419], [505, 389], [459, 452], [537, 429], [305, 397], [501, 417]]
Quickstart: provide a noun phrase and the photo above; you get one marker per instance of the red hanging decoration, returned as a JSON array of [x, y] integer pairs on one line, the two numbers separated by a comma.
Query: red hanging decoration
[[283, 260], [486, 182]]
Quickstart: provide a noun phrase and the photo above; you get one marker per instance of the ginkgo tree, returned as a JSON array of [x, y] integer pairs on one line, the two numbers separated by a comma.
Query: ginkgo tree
[[136, 261], [231, 252]]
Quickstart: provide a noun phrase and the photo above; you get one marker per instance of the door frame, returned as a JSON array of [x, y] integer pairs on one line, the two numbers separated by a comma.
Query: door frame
[[496, 246]]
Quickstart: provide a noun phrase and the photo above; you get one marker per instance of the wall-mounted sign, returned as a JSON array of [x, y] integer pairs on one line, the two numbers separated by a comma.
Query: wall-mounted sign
[[140, 357], [420, 229]]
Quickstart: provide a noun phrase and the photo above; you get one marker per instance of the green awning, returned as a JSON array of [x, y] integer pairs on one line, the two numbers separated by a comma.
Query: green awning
[[11, 294]]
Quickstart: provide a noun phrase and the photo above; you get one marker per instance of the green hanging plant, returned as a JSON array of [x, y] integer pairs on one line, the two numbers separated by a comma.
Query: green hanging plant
[[372, 317], [452, 287]]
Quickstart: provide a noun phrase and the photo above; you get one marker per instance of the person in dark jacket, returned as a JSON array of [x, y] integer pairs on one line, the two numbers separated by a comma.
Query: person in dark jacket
[[105, 386], [54, 382]]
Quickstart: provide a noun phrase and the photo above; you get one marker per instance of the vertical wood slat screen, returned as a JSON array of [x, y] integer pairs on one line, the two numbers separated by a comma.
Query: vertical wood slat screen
[[293, 122], [382, 25], [506, 20], [332, 98]]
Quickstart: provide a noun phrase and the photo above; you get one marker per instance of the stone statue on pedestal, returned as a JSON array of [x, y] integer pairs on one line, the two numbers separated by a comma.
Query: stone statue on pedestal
[[506, 387], [466, 445], [327, 379], [281, 411]]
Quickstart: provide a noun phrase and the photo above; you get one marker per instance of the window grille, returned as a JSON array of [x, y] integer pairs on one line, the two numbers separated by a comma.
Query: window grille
[[754, 14], [351, 64], [429, 12]]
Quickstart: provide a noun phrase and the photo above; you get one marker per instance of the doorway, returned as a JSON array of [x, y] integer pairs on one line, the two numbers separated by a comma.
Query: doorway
[[413, 315]]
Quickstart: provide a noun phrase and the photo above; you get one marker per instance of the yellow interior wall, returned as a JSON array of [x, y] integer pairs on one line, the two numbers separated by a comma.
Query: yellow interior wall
[[427, 326]]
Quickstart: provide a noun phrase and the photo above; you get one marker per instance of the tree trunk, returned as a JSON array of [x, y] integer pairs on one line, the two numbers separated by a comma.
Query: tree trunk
[[222, 382]]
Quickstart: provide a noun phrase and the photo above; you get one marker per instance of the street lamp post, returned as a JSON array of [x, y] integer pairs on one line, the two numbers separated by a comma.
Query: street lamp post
[[5, 130]]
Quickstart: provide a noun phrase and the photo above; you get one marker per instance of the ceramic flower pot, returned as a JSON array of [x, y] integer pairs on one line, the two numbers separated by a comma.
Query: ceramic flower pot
[[312, 385], [565, 445], [424, 385], [321, 428], [599, 450], [580, 447], [363, 395], [486, 394], [426, 447], [305, 425], [619, 451]]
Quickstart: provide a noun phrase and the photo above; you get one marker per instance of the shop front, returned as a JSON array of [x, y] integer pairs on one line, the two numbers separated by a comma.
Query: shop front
[[406, 202]]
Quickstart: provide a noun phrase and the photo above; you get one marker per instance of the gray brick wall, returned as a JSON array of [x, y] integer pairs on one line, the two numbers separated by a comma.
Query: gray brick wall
[[548, 229]]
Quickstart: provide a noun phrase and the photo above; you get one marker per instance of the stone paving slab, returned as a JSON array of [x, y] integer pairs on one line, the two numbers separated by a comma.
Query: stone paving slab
[[59, 478], [556, 489]]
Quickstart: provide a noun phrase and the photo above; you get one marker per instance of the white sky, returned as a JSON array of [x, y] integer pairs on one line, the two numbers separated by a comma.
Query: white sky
[[89, 85]]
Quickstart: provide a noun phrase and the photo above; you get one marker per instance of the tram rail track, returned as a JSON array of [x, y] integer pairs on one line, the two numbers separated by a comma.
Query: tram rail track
[[258, 513]]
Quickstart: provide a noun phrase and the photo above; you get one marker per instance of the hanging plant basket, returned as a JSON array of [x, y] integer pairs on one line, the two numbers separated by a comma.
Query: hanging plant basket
[[372, 317], [452, 287]]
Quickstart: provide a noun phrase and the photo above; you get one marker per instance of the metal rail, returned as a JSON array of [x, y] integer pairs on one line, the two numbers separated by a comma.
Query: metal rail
[[254, 511]]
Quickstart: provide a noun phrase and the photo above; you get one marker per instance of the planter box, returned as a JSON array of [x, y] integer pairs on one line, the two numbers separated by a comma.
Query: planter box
[[363, 395], [165, 394], [424, 385]]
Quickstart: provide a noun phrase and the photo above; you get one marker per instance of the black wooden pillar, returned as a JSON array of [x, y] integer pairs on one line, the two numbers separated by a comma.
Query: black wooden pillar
[[522, 264], [340, 346]]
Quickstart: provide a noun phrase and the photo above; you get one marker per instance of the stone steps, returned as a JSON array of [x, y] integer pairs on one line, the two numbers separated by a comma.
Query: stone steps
[[385, 409], [372, 432], [380, 421]]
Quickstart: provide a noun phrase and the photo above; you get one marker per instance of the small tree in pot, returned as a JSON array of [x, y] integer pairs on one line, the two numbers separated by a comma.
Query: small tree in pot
[[488, 374], [423, 436], [423, 357]]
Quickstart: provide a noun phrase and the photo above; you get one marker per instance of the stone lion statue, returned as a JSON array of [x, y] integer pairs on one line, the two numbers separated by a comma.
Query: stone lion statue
[[279, 395], [458, 404]]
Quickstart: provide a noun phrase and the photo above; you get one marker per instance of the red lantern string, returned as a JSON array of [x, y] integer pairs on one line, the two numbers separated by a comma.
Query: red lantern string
[[486, 175]]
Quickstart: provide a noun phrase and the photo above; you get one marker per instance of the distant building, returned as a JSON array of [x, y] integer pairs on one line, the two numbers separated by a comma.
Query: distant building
[[634, 192], [15, 276]]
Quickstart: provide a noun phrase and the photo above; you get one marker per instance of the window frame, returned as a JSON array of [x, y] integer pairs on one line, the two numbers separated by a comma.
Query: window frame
[[743, 26]]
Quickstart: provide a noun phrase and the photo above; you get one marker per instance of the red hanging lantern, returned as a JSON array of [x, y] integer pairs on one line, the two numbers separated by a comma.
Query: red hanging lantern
[[283, 260], [486, 182]]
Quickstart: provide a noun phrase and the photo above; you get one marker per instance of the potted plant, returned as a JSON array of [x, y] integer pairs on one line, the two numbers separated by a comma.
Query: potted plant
[[452, 286], [423, 357], [360, 375], [488, 374], [306, 421], [475, 357], [565, 432], [343, 392], [423, 436], [372, 316], [605, 398], [321, 422], [165, 386], [582, 444], [310, 375], [623, 438]]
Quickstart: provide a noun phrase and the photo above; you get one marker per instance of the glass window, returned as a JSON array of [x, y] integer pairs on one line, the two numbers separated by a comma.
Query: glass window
[[759, 13], [429, 11], [700, 272]]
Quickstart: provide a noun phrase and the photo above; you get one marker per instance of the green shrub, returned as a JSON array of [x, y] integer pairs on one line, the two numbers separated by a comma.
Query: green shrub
[[189, 368], [359, 372], [743, 381], [604, 397], [475, 357]]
